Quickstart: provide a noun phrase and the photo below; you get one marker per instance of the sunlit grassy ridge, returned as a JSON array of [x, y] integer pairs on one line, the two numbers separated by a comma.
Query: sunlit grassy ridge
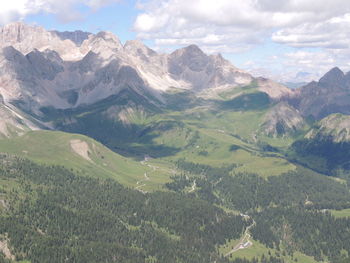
[[54, 148]]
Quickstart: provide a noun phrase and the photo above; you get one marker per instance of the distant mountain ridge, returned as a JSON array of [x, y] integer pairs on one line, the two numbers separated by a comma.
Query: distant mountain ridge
[[331, 94], [95, 66], [43, 69], [64, 70]]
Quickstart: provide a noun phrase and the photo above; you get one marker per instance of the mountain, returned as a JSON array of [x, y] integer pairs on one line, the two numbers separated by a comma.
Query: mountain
[[26, 38], [331, 94], [326, 146], [334, 126], [282, 120], [113, 152], [14, 122], [42, 68]]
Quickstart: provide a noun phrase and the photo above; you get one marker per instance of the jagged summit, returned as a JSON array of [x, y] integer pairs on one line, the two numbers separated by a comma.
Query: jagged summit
[[331, 94], [334, 76], [108, 36], [193, 50], [43, 68], [138, 48]]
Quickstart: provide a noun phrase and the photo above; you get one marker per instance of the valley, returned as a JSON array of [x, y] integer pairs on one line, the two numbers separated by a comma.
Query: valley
[[113, 152]]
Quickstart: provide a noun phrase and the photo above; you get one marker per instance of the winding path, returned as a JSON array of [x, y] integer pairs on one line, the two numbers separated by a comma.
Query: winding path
[[193, 187], [245, 241], [139, 185]]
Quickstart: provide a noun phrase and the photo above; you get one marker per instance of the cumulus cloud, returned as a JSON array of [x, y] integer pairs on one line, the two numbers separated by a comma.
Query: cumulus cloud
[[332, 33], [65, 10], [230, 26], [300, 65], [242, 22]]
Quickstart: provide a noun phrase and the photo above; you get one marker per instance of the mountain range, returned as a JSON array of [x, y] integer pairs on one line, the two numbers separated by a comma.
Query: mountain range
[[66, 70], [50, 79], [174, 148], [42, 68]]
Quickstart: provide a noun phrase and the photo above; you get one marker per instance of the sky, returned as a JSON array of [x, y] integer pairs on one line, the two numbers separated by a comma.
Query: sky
[[289, 40]]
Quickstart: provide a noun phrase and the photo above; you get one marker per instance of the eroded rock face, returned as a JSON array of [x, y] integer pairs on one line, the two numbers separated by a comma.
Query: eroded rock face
[[335, 127], [273, 89], [204, 72], [282, 120], [26, 38], [331, 94], [13, 122], [42, 68]]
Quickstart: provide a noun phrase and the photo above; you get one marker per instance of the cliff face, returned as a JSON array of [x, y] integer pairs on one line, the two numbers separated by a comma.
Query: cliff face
[[331, 94], [43, 68], [282, 120], [335, 127]]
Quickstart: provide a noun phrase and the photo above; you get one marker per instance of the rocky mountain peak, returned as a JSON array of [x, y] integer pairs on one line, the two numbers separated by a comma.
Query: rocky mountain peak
[[50, 68], [331, 94], [138, 48], [334, 76], [18, 32], [193, 49], [191, 57], [103, 43], [282, 119], [110, 38], [25, 38], [189, 51], [273, 89]]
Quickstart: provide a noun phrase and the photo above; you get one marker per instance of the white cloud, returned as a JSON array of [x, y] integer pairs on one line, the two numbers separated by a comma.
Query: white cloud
[[65, 10], [301, 65], [228, 26], [332, 34], [174, 19]]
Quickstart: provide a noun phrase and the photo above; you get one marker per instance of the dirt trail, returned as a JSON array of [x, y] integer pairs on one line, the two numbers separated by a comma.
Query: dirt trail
[[193, 187], [3, 203], [141, 183], [4, 248], [245, 241]]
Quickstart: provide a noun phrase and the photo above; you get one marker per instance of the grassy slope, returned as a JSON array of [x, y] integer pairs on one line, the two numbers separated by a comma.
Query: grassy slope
[[52, 147], [258, 249], [341, 213], [204, 136], [199, 131], [208, 142]]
